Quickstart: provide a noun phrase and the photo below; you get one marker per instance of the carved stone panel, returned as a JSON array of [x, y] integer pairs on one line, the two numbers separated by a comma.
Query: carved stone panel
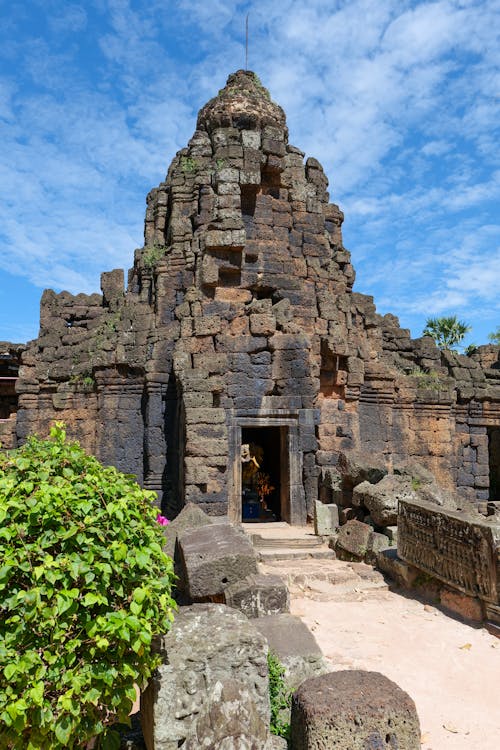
[[457, 549]]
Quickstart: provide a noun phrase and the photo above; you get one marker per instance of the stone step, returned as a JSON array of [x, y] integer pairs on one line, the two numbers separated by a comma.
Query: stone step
[[266, 554], [328, 580], [293, 543]]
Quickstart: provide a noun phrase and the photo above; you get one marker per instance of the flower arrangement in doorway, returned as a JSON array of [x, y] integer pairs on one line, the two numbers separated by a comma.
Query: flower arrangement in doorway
[[263, 486]]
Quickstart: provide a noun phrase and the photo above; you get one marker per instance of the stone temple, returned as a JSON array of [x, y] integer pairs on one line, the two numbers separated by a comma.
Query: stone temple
[[238, 330]]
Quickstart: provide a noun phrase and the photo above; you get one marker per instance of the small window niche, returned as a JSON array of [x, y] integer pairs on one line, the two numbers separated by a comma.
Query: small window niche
[[333, 374]]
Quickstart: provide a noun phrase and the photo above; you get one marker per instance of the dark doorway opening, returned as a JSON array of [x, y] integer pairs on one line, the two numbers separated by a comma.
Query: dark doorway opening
[[264, 482], [494, 462]]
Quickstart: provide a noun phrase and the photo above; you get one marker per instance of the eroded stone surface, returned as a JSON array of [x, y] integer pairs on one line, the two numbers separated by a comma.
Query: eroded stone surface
[[229, 720], [213, 557], [208, 643], [355, 710], [458, 549], [382, 499], [353, 540]]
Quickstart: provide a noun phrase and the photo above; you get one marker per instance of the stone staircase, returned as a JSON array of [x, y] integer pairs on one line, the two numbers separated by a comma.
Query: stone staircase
[[280, 541], [328, 580], [308, 566]]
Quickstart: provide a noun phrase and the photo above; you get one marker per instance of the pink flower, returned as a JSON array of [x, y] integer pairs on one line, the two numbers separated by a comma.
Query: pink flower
[[162, 520]]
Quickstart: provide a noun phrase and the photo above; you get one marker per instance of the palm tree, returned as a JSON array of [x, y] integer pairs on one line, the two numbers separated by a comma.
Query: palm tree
[[495, 337], [447, 332]]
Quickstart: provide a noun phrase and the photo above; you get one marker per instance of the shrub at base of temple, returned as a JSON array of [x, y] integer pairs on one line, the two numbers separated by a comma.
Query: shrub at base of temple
[[280, 697], [84, 585]]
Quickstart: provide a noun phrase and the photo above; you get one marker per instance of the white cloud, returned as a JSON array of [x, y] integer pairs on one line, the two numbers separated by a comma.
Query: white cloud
[[398, 99]]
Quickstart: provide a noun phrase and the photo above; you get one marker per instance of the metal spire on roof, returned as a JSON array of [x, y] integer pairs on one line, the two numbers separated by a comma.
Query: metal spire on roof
[[246, 42]]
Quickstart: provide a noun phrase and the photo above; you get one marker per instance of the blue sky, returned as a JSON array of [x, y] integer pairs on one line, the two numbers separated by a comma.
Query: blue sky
[[400, 102]]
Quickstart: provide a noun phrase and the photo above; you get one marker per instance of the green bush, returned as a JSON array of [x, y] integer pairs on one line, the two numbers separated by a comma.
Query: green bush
[[84, 585], [280, 697]]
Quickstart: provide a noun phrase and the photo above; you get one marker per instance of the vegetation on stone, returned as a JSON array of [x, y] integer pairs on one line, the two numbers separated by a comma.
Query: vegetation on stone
[[447, 332], [280, 696], [84, 586], [152, 254]]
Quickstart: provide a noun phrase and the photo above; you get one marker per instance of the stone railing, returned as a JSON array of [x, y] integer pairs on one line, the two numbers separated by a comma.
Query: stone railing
[[461, 550]]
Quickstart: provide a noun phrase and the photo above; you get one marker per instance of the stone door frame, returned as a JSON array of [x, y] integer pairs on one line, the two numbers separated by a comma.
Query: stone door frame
[[293, 506]]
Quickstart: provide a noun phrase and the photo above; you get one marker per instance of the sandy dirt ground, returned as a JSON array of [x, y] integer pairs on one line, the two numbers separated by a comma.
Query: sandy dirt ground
[[450, 669]]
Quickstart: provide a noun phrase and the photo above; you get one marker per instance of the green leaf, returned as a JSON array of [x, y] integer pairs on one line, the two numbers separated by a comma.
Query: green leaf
[[10, 670], [90, 598], [110, 741], [64, 729], [135, 607]]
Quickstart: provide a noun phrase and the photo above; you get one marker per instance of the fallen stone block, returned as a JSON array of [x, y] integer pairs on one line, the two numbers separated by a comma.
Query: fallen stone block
[[382, 499], [207, 644], [190, 517], [214, 557], [294, 645], [353, 539], [258, 596], [353, 710], [376, 543], [356, 467]]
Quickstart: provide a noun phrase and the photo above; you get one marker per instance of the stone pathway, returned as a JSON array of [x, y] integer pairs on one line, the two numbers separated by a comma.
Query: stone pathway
[[451, 669]]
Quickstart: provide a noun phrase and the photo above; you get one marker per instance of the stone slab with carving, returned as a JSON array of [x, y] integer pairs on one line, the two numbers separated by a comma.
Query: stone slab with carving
[[208, 643], [458, 549], [353, 710], [258, 595], [214, 557], [229, 720]]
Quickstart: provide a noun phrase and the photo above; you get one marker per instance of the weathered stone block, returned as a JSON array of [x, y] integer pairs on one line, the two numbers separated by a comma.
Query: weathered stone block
[[229, 720], [190, 517], [207, 644], [214, 557], [258, 596], [356, 467], [457, 548], [382, 498], [295, 646], [376, 543], [353, 710], [262, 325], [353, 540], [468, 607], [326, 519]]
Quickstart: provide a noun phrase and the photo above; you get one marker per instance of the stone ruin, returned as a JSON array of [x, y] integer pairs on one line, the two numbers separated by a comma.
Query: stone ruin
[[237, 353], [238, 326]]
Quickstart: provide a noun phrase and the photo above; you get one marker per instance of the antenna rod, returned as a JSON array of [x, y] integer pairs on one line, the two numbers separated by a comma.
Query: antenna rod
[[246, 44]]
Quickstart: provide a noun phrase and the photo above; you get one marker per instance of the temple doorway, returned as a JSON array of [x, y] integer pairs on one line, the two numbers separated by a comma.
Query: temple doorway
[[494, 462], [264, 474]]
